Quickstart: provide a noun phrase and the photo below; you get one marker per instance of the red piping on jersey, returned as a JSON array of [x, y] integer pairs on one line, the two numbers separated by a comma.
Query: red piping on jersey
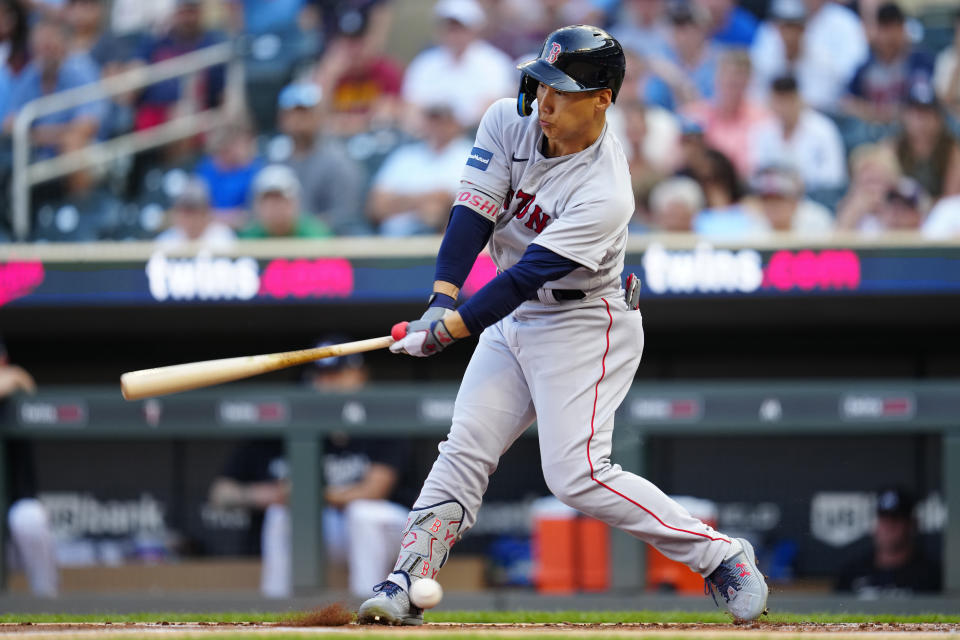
[[596, 393]]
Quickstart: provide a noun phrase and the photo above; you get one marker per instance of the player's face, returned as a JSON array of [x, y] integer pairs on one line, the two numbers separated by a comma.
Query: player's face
[[571, 120]]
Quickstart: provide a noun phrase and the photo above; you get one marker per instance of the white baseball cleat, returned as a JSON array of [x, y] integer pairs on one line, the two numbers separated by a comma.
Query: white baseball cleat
[[739, 582], [390, 606]]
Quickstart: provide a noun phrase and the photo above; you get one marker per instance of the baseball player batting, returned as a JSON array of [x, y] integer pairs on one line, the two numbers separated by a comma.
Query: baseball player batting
[[559, 339]]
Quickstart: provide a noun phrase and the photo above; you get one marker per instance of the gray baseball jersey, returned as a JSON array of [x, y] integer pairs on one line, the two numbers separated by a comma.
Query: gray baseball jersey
[[578, 205], [567, 364]]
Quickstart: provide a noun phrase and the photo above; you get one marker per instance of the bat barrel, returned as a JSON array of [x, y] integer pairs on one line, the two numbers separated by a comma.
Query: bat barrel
[[147, 383]]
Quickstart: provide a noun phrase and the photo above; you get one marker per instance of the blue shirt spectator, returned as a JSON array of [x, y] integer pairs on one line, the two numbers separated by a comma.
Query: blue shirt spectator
[[229, 185], [642, 28], [230, 168], [75, 71], [690, 64], [879, 88], [51, 71], [887, 81], [657, 93], [733, 26], [87, 19]]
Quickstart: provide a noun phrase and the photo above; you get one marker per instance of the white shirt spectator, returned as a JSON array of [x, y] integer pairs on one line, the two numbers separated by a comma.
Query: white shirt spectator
[[416, 168], [470, 84], [834, 46], [814, 149], [943, 221], [217, 236]]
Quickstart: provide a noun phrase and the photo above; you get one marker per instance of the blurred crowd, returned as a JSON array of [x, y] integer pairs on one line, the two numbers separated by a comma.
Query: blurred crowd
[[739, 120]]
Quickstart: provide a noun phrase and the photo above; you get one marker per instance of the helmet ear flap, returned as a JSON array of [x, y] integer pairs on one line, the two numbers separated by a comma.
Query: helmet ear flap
[[527, 94]]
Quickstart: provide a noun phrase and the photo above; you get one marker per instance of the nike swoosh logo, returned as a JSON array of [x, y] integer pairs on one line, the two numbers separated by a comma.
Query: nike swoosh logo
[[516, 159]]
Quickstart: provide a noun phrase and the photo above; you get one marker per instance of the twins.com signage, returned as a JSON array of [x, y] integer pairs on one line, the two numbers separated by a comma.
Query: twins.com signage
[[706, 270], [703, 271]]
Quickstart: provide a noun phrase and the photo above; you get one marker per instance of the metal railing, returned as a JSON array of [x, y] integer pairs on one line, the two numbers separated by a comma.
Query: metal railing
[[27, 174]]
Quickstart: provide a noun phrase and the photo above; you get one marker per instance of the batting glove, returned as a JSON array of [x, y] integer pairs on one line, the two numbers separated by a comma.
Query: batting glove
[[421, 338]]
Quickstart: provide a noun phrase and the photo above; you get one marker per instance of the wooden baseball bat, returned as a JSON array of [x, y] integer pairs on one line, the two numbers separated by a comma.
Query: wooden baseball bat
[[148, 383]]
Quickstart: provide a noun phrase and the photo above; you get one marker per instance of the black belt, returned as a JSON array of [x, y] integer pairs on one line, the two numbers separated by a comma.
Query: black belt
[[561, 295]]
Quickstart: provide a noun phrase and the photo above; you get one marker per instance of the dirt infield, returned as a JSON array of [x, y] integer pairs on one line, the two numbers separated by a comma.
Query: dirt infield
[[780, 631]]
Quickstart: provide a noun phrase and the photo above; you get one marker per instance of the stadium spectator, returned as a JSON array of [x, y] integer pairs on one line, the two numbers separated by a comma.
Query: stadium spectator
[[926, 149], [276, 207], [820, 41], [782, 35], [692, 151], [362, 82], [31, 546], [725, 215], [896, 565], [229, 168], [728, 118], [690, 62], [648, 139], [674, 203], [730, 25], [946, 72], [461, 70], [778, 192], [904, 209], [901, 209], [332, 182], [879, 88], [86, 20], [874, 170], [643, 28], [192, 221], [54, 69], [413, 190], [640, 82], [800, 137], [158, 102], [111, 54], [366, 495]]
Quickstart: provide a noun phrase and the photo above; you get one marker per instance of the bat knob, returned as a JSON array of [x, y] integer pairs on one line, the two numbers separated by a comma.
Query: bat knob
[[399, 331]]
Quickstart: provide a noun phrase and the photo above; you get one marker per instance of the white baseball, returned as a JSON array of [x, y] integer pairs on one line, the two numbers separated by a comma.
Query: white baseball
[[426, 593]]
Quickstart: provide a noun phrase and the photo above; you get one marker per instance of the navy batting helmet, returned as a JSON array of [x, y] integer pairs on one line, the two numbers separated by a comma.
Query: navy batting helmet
[[573, 59]]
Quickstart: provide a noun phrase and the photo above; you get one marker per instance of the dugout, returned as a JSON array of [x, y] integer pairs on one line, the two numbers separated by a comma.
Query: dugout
[[838, 361]]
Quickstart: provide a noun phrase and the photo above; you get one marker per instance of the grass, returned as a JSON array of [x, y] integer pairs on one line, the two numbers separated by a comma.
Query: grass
[[493, 617]]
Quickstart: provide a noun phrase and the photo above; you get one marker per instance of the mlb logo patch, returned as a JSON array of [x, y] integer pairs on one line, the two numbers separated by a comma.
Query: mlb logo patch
[[479, 158]]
